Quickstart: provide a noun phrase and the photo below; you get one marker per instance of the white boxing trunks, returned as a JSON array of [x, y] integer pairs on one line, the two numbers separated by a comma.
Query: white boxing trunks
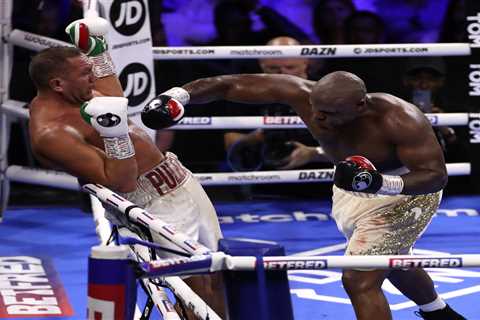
[[382, 225], [170, 192]]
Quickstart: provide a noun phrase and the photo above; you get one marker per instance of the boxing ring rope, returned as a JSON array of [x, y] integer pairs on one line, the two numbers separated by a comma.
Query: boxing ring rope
[[63, 180], [291, 122], [218, 261], [37, 42], [311, 51]]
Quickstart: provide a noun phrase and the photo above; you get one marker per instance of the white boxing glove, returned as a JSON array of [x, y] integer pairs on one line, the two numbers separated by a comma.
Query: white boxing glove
[[108, 115]]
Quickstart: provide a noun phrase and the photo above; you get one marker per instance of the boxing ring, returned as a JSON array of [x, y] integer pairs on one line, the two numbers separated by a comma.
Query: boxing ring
[[198, 259]]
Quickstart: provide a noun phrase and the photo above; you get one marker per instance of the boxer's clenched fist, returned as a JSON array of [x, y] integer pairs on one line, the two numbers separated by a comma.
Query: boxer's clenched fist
[[357, 173]]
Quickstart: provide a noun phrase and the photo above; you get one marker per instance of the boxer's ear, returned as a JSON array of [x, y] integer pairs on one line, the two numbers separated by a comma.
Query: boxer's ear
[[56, 84]]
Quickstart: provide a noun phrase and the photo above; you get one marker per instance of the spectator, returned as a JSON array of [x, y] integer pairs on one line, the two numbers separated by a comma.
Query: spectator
[[454, 24], [412, 21], [366, 27], [272, 149], [328, 20], [424, 79]]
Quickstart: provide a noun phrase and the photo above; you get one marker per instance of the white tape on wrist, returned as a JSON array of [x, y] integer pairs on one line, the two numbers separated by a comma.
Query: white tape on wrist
[[179, 94], [320, 151], [119, 147], [103, 65], [391, 185]]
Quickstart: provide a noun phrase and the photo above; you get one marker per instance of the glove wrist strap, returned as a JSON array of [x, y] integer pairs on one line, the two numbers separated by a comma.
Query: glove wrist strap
[[391, 185], [120, 147], [102, 65], [179, 94]]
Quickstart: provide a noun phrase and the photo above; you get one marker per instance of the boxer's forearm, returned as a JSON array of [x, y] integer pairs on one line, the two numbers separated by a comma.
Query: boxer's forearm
[[422, 182], [109, 86], [209, 89], [121, 175]]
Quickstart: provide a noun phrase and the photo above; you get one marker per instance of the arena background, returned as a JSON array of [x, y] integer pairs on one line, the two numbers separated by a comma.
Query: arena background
[[55, 224]]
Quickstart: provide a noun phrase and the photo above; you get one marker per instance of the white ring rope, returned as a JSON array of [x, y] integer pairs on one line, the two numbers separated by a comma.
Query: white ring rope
[[15, 108], [63, 180], [37, 42], [291, 122], [218, 261], [312, 51]]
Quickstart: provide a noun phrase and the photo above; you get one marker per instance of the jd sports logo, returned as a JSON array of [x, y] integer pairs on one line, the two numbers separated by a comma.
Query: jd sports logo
[[128, 16], [136, 82]]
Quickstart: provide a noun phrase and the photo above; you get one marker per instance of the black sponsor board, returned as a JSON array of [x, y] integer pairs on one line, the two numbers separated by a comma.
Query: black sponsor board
[[473, 79]]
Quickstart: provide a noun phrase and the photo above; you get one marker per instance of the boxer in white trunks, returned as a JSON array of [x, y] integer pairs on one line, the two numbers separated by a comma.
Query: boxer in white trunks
[[78, 123], [366, 136]]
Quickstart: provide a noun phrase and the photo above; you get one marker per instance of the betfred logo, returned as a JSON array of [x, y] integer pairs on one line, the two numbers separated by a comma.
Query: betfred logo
[[270, 120], [295, 264], [196, 120], [30, 287], [425, 262]]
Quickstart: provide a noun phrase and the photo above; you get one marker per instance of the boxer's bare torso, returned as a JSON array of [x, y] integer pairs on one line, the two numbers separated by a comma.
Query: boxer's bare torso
[[54, 117]]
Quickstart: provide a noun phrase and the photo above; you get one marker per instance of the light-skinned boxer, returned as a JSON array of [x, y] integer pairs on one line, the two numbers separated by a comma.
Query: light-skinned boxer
[[79, 124]]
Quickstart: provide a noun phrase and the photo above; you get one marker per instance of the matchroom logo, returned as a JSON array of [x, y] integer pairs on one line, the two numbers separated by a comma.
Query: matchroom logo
[[30, 287]]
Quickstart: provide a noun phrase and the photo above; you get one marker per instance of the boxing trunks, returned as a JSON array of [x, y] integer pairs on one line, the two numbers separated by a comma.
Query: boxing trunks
[[170, 192], [382, 225]]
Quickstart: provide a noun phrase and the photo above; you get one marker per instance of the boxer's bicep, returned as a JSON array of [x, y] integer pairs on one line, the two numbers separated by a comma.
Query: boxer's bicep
[[417, 147], [71, 154]]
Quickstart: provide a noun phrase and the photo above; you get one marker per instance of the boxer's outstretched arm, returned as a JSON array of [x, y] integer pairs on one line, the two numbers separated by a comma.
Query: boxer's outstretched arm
[[253, 89], [418, 149]]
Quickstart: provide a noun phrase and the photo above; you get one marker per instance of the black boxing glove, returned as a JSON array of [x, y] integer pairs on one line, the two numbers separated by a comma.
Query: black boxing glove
[[358, 174], [166, 109]]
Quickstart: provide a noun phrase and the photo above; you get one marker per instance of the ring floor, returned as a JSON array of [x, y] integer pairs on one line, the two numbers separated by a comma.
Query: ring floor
[[59, 239]]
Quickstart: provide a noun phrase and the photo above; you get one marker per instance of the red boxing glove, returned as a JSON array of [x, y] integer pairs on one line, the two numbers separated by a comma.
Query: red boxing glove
[[362, 162]]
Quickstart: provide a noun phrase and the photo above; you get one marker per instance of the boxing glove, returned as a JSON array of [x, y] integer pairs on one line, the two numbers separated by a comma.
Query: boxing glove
[[166, 109], [88, 35], [358, 174], [108, 115]]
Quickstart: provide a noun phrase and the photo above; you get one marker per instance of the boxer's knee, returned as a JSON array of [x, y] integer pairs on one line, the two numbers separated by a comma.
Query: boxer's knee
[[356, 282]]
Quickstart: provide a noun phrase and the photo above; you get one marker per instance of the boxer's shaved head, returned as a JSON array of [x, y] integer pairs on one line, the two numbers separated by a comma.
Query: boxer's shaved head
[[339, 88]]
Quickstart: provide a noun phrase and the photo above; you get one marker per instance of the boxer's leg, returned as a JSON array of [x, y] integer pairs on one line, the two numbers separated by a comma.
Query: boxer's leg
[[365, 293]]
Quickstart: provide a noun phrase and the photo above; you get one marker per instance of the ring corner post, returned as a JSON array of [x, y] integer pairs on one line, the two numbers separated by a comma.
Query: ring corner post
[[112, 290]]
